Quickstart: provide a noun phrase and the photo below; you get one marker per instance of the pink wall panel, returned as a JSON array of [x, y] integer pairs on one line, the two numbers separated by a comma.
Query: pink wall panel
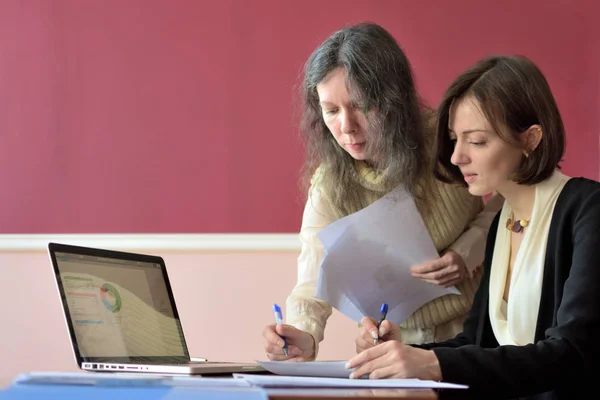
[[180, 116]]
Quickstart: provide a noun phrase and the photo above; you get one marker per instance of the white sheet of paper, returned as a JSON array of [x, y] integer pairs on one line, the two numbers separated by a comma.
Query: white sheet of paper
[[279, 381], [334, 295], [368, 256], [326, 369]]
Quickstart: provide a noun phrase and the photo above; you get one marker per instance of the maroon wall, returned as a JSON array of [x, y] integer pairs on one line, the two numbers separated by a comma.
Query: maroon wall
[[179, 116]]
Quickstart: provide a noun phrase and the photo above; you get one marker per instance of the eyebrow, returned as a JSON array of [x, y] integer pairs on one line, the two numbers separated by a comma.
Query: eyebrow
[[326, 103], [468, 131]]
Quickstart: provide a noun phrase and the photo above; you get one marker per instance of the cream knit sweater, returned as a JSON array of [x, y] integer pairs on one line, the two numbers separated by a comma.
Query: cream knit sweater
[[455, 220]]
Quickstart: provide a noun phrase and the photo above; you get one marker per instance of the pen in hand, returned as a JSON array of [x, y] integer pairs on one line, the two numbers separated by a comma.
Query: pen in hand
[[383, 313], [279, 321]]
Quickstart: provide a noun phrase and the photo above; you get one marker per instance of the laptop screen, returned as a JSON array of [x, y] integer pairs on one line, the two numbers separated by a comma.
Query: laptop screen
[[119, 309]]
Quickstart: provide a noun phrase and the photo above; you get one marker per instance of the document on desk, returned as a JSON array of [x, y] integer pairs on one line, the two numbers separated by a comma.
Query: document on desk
[[122, 379], [90, 385], [368, 256], [325, 369], [282, 381]]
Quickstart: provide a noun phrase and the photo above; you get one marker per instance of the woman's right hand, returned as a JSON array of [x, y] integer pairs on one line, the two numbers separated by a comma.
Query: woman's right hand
[[301, 344], [368, 332]]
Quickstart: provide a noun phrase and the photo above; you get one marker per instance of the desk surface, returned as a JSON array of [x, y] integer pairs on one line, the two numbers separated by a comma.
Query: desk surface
[[30, 392], [304, 393], [356, 394]]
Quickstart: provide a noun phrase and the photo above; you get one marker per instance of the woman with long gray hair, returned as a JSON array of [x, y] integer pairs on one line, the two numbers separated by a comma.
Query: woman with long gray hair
[[367, 132]]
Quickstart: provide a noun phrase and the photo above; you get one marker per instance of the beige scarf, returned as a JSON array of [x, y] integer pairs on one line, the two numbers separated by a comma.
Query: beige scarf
[[517, 326]]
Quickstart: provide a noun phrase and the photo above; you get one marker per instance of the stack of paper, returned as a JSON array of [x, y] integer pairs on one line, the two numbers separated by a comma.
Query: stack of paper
[[325, 369], [241, 384], [123, 380], [96, 386], [282, 381]]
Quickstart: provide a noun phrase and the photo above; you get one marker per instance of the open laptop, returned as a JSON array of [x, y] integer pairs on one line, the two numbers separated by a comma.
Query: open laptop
[[121, 314]]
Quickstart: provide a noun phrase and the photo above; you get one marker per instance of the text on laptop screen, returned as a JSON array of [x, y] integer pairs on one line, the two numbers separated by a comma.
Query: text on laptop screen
[[119, 308]]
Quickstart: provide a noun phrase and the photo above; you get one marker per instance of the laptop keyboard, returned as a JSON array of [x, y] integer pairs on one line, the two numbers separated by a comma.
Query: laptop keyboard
[[200, 363]]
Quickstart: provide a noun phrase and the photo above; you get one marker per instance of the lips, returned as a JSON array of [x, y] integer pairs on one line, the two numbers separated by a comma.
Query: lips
[[469, 178], [355, 146]]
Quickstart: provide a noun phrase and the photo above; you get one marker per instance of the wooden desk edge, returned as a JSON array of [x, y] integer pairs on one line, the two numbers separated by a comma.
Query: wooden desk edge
[[355, 394]]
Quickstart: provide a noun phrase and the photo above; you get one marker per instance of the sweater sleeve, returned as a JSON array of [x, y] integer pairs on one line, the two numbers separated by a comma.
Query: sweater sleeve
[[569, 351], [303, 309], [471, 244]]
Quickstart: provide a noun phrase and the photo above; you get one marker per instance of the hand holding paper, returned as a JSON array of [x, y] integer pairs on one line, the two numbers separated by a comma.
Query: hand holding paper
[[448, 270], [368, 257]]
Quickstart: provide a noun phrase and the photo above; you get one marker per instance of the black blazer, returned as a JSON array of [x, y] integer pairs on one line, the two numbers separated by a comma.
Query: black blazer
[[566, 352]]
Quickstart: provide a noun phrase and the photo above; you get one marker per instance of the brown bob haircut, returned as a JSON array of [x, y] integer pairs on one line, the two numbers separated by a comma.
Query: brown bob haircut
[[513, 95]]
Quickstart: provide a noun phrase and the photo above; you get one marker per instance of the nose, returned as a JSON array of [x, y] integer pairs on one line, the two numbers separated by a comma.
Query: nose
[[459, 156], [349, 123]]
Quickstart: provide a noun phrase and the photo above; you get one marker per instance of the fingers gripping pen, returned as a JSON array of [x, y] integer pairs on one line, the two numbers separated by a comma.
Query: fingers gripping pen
[[383, 314], [279, 321]]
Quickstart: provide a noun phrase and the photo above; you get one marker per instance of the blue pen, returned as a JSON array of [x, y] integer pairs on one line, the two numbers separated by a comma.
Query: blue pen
[[279, 321], [383, 313]]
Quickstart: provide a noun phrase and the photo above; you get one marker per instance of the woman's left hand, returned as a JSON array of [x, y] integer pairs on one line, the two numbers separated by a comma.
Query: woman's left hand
[[448, 270], [394, 359]]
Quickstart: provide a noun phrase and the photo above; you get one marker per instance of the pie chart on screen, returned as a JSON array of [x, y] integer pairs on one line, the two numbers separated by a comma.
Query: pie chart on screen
[[110, 297]]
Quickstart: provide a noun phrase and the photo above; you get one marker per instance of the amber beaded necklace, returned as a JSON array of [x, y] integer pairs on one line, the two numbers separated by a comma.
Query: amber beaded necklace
[[518, 225]]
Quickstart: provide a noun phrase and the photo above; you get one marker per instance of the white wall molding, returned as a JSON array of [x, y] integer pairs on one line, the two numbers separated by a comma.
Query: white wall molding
[[153, 243]]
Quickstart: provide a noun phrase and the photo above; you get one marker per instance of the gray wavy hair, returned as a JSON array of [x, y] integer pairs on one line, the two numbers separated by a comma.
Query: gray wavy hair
[[379, 77]]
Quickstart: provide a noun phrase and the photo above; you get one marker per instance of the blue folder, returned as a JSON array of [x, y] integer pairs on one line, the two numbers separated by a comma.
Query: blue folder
[[98, 387], [56, 392]]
